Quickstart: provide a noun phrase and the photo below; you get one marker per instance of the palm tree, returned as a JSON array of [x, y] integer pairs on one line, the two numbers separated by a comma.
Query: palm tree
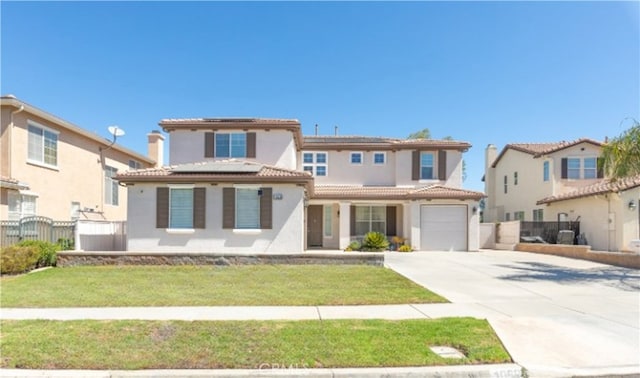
[[621, 155]]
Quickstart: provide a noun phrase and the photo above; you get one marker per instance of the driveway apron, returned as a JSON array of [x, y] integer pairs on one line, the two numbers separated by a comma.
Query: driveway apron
[[556, 316]]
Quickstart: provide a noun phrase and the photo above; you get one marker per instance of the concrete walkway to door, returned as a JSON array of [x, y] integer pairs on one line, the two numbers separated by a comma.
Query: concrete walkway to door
[[558, 317]]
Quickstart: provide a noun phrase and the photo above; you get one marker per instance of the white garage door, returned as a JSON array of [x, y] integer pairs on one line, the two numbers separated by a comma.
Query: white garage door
[[443, 228]]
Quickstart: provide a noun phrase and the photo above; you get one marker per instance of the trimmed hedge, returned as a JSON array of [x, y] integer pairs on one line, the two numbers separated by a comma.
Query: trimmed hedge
[[18, 259], [28, 255]]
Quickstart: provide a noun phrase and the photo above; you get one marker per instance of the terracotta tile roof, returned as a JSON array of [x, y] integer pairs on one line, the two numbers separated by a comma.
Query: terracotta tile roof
[[540, 149], [230, 121], [354, 192], [600, 187], [380, 143], [11, 183], [231, 170]]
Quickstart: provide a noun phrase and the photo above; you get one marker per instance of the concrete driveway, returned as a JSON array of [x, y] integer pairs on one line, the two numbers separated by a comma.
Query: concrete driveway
[[558, 317]]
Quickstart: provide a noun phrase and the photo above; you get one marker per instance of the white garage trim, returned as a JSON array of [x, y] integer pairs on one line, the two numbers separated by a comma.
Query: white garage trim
[[444, 228]]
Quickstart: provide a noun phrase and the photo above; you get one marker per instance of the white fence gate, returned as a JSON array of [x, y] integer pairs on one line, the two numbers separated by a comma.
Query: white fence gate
[[101, 236]]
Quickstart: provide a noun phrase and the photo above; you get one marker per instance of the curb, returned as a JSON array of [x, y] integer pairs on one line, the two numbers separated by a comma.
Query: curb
[[275, 371]]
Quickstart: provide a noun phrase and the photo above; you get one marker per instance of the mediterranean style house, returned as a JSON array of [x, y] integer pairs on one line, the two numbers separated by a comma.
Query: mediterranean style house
[[52, 168], [259, 185], [562, 181]]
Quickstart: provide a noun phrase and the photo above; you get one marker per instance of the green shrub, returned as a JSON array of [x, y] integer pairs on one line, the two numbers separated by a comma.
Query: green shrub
[[18, 259], [46, 251], [354, 246], [375, 241], [65, 244], [405, 248]]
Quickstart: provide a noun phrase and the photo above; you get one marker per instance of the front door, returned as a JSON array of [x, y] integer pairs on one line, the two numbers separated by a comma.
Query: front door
[[314, 226]]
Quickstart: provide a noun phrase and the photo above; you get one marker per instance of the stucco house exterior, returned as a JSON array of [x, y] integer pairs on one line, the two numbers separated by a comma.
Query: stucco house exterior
[[259, 185], [563, 180], [52, 168]]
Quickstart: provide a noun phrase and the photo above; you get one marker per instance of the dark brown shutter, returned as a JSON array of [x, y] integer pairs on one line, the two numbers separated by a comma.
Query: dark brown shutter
[[251, 145], [199, 207], [391, 220], [352, 219], [415, 165], [228, 208], [563, 167], [209, 145], [600, 165], [442, 165], [266, 209], [162, 207]]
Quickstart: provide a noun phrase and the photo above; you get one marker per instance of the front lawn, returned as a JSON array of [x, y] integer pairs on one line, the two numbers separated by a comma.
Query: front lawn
[[258, 285], [88, 344]]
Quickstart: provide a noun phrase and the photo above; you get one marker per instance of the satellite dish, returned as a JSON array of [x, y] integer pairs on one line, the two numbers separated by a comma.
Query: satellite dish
[[115, 131]]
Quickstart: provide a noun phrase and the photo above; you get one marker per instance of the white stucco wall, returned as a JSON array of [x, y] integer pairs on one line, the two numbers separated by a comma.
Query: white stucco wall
[[287, 234], [274, 147], [522, 197], [340, 171], [604, 232], [403, 170]]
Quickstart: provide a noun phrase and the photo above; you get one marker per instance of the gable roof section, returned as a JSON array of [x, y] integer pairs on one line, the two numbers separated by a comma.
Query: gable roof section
[[600, 187], [354, 142], [229, 124], [354, 192], [227, 171], [541, 149], [10, 100]]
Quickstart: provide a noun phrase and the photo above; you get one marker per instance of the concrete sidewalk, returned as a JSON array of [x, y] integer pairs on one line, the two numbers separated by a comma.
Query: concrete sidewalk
[[390, 312]]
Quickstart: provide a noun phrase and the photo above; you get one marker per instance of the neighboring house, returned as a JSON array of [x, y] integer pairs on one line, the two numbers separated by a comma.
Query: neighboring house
[[258, 185], [561, 181], [52, 168]]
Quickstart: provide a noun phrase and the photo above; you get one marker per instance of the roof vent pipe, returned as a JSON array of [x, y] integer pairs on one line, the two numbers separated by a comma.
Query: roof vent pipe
[[316, 129], [336, 131]]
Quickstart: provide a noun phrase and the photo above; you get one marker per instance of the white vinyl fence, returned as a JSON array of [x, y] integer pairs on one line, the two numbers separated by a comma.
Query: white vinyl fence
[[101, 236]]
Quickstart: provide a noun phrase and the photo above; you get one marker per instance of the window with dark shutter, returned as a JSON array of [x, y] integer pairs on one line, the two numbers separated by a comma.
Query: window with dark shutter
[[209, 145], [415, 165], [199, 207], [228, 208], [564, 165], [162, 207], [251, 145], [352, 220], [266, 209], [442, 165]]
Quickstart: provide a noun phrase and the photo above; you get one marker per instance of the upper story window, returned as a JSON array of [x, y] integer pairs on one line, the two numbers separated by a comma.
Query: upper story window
[[133, 164], [315, 162], [545, 171], [506, 184], [379, 158], [515, 178], [231, 145], [21, 205], [576, 168], [590, 168], [110, 186], [43, 145], [356, 158], [426, 166]]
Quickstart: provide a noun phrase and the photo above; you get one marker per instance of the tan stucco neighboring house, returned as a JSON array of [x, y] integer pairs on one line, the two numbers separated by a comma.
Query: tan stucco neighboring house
[[258, 185], [50, 167], [550, 181]]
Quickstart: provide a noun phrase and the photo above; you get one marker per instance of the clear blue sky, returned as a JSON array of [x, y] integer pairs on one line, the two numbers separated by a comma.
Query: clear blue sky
[[483, 72]]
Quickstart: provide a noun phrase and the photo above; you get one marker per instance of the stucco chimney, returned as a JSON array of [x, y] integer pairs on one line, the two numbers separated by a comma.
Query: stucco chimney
[[156, 147], [490, 155]]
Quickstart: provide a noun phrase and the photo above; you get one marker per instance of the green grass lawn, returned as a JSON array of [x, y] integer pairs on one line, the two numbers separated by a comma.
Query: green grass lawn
[[40, 344], [258, 285]]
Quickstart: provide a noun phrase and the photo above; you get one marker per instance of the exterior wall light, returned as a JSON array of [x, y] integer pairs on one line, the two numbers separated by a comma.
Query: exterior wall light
[[632, 205]]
